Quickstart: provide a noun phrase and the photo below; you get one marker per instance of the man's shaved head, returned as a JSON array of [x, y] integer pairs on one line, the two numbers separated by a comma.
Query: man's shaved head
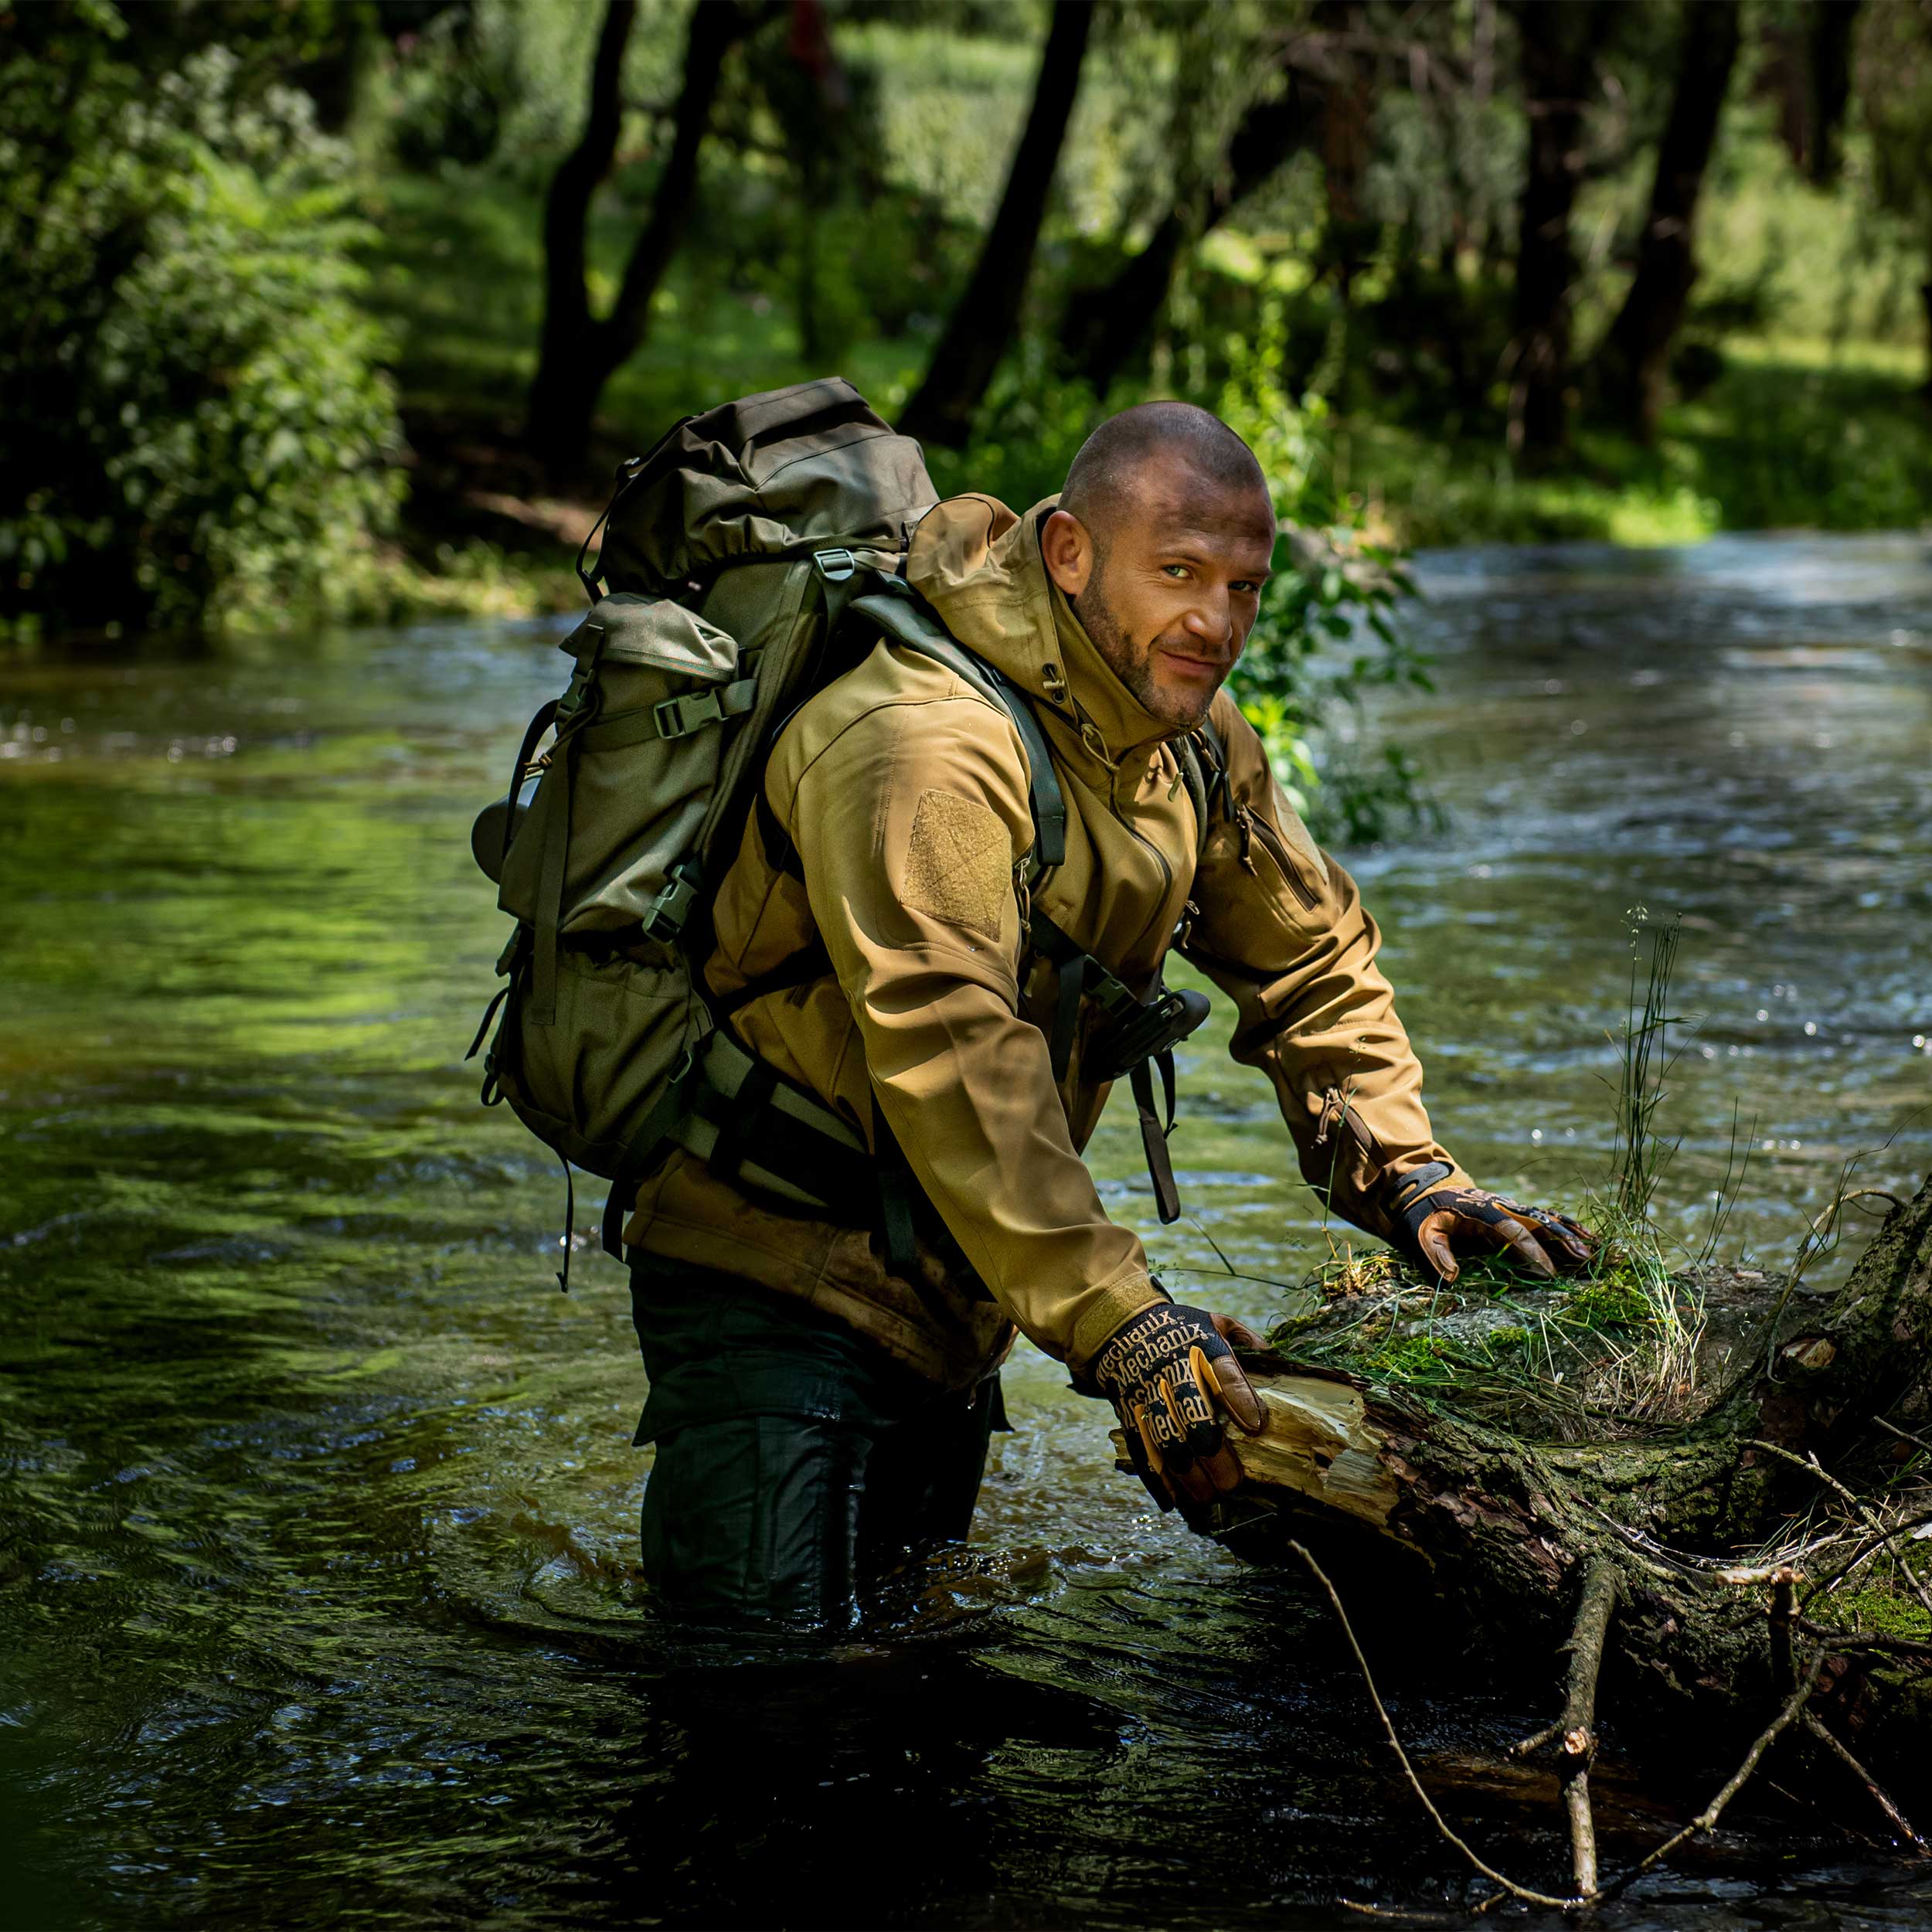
[[1156, 444], [1161, 544]]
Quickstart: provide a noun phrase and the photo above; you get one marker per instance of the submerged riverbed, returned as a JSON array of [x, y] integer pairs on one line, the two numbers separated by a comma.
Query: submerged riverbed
[[318, 1507]]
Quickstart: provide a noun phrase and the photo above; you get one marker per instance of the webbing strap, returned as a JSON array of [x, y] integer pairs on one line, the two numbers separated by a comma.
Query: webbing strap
[[896, 1185], [679, 717], [549, 885], [546, 716], [1072, 975], [1080, 977], [734, 1131], [674, 718], [671, 1106], [1160, 1165]]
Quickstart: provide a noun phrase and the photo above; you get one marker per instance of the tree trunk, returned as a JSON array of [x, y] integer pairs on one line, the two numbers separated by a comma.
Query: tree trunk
[[579, 350], [1694, 1524], [1635, 357], [984, 320], [1347, 115], [1560, 43], [1925, 298], [1828, 63], [1107, 324]]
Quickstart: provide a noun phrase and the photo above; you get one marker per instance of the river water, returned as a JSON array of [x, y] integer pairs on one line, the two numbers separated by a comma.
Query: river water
[[318, 1507]]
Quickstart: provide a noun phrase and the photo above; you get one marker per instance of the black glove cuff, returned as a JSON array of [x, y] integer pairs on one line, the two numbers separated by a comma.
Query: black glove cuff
[[1413, 1183]]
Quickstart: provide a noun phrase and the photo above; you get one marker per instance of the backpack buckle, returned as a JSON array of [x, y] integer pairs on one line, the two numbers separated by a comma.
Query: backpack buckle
[[577, 695], [672, 721], [664, 920], [836, 566]]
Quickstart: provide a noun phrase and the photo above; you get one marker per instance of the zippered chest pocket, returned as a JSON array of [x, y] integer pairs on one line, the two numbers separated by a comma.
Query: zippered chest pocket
[[1260, 843]]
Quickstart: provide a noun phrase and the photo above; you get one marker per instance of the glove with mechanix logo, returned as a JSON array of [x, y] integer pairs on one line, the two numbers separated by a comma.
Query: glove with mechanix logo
[[1432, 1227], [1171, 1375]]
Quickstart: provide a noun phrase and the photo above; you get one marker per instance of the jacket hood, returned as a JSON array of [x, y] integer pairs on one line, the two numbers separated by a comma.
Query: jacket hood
[[980, 567]]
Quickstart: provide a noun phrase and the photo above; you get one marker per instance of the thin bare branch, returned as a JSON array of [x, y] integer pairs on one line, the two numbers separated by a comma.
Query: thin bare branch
[[1816, 1727], [1587, 1641], [1707, 1819], [1489, 1871]]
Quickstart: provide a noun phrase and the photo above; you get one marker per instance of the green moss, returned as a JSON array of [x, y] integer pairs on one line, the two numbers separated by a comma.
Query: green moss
[[1873, 1607], [1611, 1300]]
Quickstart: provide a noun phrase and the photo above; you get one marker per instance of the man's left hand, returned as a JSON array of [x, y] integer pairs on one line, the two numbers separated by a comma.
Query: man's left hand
[[1472, 1220]]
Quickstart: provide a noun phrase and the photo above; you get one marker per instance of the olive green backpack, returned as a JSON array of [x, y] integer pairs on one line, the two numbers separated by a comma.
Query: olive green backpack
[[730, 553]]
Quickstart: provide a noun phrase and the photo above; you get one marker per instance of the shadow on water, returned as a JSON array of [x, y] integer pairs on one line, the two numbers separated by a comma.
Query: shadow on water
[[317, 1510]]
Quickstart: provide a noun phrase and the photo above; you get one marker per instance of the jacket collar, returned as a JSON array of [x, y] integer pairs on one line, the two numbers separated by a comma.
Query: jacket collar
[[979, 567]]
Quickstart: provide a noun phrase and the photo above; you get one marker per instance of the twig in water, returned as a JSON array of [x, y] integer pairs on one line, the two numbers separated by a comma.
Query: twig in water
[[1707, 1819], [1811, 1464], [1580, 1715], [1489, 1871], [1904, 1435], [1529, 1746], [1817, 1727]]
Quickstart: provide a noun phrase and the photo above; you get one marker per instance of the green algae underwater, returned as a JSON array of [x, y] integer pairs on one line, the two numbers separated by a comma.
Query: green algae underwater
[[318, 1507]]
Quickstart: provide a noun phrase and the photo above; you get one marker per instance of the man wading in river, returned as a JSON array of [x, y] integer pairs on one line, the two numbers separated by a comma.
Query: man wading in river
[[817, 1413]]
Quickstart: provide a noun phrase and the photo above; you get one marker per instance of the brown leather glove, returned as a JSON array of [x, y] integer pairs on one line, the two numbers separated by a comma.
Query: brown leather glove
[[1170, 1374], [1431, 1228]]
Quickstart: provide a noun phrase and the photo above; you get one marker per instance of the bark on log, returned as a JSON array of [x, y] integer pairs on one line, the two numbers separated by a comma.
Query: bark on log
[[1692, 1526]]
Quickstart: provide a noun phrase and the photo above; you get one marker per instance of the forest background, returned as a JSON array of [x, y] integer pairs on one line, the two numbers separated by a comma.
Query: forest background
[[349, 308]]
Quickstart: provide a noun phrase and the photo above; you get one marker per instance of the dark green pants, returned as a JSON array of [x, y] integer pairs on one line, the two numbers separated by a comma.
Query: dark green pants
[[796, 1462]]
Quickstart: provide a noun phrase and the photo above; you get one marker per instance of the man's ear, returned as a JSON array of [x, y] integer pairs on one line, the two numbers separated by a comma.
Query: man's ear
[[1067, 551]]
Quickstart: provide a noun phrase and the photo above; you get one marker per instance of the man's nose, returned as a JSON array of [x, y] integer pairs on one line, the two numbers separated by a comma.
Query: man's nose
[[1211, 619]]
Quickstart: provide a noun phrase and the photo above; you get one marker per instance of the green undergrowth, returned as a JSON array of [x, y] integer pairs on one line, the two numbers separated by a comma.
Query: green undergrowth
[[1792, 435]]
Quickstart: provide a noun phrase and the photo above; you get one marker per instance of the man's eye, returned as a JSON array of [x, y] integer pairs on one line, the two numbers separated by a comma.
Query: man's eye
[[1175, 570], [1252, 589]]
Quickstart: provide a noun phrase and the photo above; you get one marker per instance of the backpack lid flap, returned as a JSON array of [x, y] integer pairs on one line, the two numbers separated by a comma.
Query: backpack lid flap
[[626, 628]]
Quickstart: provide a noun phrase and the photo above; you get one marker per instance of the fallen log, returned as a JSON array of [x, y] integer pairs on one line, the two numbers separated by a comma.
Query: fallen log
[[1719, 1501]]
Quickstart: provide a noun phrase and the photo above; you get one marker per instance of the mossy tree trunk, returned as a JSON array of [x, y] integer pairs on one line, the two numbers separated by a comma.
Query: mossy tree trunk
[[1509, 1530]]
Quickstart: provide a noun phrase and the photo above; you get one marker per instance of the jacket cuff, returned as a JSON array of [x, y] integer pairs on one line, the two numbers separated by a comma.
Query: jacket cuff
[[1108, 1308]]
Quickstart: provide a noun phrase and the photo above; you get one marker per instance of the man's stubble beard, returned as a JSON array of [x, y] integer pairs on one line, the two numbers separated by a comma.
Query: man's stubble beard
[[1132, 664]]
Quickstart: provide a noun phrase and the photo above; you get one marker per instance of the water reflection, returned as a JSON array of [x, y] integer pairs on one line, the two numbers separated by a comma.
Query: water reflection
[[317, 1507]]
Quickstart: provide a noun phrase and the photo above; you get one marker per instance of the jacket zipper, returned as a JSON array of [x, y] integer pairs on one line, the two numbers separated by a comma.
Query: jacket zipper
[[1252, 824]]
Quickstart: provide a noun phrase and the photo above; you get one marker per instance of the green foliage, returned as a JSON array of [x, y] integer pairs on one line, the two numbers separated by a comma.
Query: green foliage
[[1330, 627], [193, 420]]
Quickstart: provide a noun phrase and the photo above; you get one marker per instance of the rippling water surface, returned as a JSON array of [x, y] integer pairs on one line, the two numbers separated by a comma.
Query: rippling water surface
[[317, 1503]]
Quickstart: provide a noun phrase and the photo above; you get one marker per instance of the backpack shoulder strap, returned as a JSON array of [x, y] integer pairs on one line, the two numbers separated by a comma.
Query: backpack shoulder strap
[[908, 621], [1204, 770]]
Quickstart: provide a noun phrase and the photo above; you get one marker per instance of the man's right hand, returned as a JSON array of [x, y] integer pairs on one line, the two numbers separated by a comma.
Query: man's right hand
[[1171, 1375]]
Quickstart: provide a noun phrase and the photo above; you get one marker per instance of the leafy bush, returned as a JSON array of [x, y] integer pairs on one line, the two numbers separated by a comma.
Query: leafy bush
[[193, 422], [1329, 627]]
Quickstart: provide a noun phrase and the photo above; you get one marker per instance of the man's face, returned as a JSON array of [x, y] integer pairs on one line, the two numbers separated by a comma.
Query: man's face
[[1169, 588]]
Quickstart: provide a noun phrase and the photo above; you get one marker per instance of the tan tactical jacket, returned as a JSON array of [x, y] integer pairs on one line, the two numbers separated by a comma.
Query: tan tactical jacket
[[905, 792]]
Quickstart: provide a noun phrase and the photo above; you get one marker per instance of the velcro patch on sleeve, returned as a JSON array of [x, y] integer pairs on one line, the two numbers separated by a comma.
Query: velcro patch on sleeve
[[959, 866]]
